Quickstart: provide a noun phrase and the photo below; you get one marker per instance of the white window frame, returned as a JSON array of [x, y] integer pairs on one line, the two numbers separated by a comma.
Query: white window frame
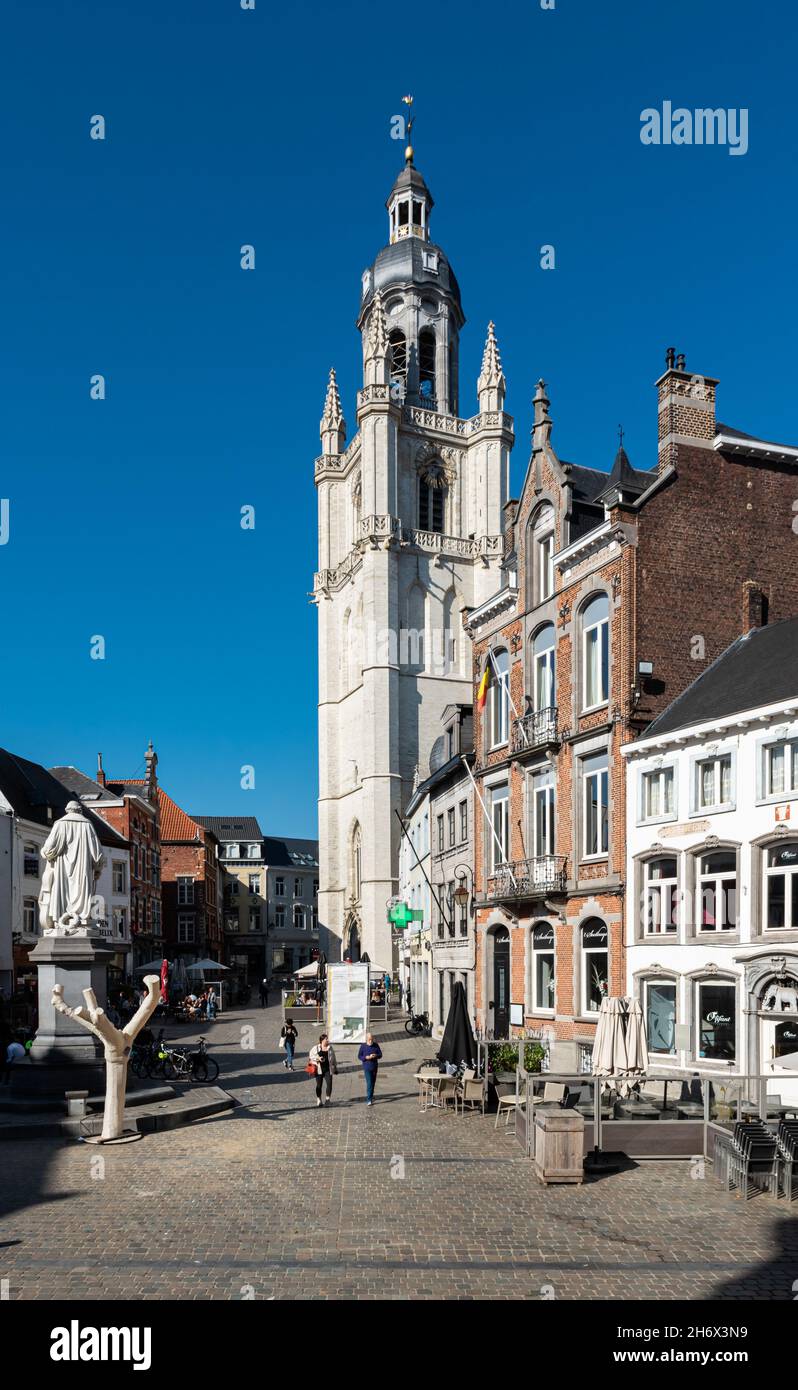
[[544, 671], [119, 878], [463, 821], [499, 699], [500, 827], [715, 879], [585, 957], [658, 981], [232, 851], [185, 890], [542, 789], [279, 887], [789, 748], [279, 917], [790, 888], [699, 807], [663, 775], [535, 953], [254, 883], [30, 851], [655, 888], [585, 778], [253, 851], [601, 640], [30, 919]]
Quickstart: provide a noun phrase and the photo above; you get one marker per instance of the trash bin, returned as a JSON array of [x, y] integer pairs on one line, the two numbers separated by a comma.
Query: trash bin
[[559, 1145]]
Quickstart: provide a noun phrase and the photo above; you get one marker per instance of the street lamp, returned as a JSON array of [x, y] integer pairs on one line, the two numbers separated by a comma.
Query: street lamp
[[463, 896]]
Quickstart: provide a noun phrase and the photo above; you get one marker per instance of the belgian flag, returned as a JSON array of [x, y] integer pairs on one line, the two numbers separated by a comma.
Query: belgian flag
[[482, 693]]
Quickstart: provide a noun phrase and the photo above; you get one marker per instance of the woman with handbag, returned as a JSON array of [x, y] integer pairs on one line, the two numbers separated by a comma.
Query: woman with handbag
[[288, 1037], [323, 1060]]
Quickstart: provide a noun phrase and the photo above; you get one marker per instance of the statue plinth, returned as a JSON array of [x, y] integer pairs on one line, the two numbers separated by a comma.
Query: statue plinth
[[64, 1057]]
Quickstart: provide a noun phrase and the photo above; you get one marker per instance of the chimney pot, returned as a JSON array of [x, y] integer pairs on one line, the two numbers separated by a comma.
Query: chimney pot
[[680, 363], [669, 358]]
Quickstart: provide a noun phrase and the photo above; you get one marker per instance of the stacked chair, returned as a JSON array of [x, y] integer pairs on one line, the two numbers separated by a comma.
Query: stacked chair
[[749, 1158], [787, 1141]]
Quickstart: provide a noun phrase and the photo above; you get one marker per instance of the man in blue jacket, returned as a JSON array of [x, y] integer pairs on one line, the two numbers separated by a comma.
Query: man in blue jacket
[[370, 1054]]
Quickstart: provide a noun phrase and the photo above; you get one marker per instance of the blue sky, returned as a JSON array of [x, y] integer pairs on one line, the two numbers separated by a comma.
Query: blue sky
[[272, 127]]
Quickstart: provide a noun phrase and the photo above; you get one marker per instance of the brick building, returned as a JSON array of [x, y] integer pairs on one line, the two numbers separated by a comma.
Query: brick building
[[619, 590], [130, 805], [190, 874]]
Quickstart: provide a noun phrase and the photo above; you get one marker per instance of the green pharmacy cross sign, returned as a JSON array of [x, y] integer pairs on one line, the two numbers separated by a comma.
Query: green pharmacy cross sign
[[400, 915]]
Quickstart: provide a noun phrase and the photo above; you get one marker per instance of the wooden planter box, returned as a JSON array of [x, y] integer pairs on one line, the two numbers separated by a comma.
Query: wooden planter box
[[559, 1146]]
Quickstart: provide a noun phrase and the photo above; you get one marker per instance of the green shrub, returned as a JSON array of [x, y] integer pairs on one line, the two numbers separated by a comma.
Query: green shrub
[[534, 1052], [503, 1056]]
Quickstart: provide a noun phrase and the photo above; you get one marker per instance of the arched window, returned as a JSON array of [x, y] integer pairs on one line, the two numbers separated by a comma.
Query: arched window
[[595, 964], [717, 887], [595, 651], [426, 366], [781, 887], [543, 967], [432, 498], [499, 703], [539, 553], [543, 676], [398, 350]]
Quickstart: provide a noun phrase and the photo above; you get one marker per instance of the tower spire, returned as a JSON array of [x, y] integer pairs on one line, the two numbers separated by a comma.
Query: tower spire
[[333, 425], [491, 386]]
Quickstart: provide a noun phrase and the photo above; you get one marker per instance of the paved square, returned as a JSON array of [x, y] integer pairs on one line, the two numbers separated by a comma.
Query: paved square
[[282, 1200]]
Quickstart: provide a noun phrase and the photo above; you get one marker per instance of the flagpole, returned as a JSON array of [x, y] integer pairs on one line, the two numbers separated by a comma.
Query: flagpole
[[499, 844]]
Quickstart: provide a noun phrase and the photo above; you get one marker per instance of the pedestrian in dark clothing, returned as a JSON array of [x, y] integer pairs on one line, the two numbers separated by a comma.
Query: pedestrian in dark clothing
[[264, 994], [323, 1058], [290, 1034], [369, 1055]]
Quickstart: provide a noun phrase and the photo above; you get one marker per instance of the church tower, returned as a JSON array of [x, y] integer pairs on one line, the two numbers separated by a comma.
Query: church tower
[[410, 538]]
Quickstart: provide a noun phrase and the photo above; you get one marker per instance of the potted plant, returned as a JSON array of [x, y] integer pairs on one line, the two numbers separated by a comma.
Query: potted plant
[[534, 1053]]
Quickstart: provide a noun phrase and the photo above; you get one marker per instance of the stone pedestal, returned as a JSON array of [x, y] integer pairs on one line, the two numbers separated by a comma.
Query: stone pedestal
[[64, 1057]]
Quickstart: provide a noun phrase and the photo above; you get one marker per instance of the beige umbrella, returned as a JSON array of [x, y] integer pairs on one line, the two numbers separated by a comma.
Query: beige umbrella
[[620, 1048]]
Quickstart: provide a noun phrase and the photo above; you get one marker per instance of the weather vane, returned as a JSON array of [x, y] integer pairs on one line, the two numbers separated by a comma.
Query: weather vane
[[620, 436], [408, 101]]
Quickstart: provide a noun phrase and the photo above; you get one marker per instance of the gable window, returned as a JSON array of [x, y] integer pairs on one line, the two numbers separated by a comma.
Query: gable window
[[661, 895], [543, 812], [595, 964], [543, 689], [781, 768], [595, 800], [717, 881], [543, 979], [781, 888], [499, 698], [595, 651], [658, 793], [540, 550], [185, 891], [714, 782], [660, 1016], [716, 1019], [500, 822]]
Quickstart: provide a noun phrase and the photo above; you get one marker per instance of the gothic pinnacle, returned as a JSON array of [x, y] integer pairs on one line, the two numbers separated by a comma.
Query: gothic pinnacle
[[333, 426], [491, 386], [377, 341]]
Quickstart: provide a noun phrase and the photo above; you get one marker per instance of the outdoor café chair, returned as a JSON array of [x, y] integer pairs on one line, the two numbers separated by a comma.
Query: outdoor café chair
[[472, 1091], [448, 1092], [755, 1153], [508, 1105]]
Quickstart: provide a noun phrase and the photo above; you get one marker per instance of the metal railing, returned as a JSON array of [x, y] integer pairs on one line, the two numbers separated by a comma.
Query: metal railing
[[538, 729], [527, 878]]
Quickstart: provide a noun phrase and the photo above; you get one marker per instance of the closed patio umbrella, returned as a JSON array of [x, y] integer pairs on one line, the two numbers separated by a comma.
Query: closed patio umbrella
[[458, 1045], [620, 1048]]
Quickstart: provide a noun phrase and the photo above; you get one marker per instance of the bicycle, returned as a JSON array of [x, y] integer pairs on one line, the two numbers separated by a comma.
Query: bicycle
[[181, 1065], [418, 1026]]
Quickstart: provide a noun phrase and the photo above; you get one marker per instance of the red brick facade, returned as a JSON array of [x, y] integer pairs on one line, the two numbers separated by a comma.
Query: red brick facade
[[688, 556]]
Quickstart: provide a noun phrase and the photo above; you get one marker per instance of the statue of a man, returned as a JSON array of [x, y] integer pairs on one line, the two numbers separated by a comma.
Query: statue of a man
[[74, 860]]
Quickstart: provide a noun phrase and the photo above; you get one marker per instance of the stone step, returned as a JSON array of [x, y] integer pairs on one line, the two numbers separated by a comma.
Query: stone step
[[195, 1104]]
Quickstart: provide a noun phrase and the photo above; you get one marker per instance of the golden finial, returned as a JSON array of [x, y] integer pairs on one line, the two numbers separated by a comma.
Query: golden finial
[[408, 101]]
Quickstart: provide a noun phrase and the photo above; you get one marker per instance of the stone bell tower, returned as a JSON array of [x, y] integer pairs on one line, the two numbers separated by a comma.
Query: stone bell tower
[[410, 536]]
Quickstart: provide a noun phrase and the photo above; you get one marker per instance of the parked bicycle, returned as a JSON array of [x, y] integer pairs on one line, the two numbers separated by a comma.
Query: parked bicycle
[[178, 1064], [418, 1026], [144, 1054]]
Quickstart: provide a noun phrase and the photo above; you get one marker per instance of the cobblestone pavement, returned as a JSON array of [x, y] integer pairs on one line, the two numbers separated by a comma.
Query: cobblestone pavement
[[282, 1200]]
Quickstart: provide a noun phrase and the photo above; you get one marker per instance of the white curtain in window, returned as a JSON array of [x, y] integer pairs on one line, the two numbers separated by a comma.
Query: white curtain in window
[[707, 784], [725, 780], [777, 769]]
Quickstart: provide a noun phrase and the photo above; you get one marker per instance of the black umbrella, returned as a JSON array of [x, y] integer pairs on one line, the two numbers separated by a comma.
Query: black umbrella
[[458, 1044]]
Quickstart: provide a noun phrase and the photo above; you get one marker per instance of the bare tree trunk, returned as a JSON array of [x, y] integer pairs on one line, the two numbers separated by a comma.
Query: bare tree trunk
[[116, 1046]]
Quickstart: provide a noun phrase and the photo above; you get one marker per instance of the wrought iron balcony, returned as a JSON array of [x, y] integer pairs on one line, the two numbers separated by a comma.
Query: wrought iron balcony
[[535, 730], [527, 878]]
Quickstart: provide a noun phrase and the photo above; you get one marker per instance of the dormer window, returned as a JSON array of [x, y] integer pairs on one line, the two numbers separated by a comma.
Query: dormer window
[[366, 282], [430, 261]]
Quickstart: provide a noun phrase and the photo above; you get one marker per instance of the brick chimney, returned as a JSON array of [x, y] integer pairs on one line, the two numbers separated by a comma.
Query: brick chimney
[[100, 774], [755, 606], [686, 404]]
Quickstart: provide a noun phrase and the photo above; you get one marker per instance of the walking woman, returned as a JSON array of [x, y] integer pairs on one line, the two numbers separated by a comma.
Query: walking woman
[[323, 1058], [289, 1032]]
